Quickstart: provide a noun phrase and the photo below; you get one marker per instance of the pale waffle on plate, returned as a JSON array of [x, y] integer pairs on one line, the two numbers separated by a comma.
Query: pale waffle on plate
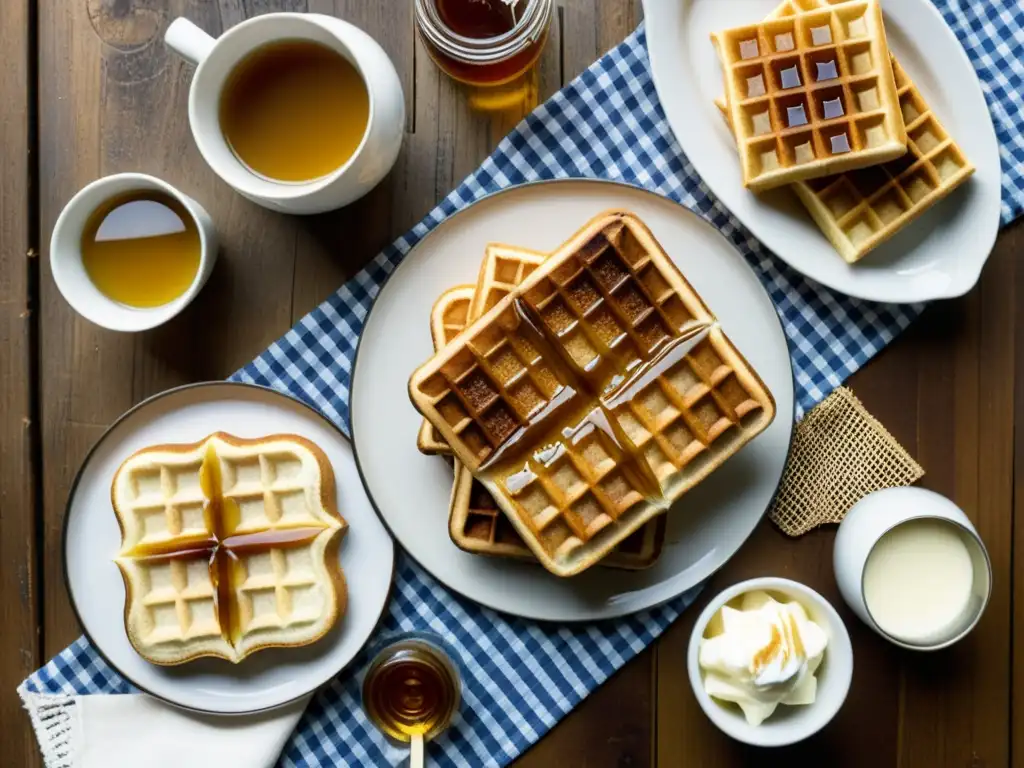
[[475, 523], [229, 546], [447, 318], [812, 93], [607, 358], [859, 210]]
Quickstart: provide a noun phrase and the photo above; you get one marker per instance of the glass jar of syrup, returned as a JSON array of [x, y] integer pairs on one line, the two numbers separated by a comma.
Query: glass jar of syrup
[[412, 687], [492, 46]]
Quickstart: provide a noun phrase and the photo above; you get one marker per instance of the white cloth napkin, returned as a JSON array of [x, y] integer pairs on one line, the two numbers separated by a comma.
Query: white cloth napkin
[[115, 731]]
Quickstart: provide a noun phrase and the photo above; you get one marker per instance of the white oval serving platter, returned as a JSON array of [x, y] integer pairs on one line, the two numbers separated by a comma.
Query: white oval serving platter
[[939, 255]]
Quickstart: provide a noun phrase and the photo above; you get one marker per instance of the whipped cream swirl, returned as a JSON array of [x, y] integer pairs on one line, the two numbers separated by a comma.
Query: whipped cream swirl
[[760, 654]]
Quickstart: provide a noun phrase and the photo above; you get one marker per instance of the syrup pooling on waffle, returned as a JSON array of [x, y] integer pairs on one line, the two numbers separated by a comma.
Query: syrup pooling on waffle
[[538, 395], [811, 93], [475, 521], [223, 549], [503, 268]]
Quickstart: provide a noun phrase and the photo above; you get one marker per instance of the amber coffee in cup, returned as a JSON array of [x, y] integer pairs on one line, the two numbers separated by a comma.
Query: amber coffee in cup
[[299, 112], [294, 110]]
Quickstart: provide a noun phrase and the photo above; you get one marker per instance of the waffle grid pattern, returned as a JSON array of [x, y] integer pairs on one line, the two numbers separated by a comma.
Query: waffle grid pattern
[[686, 408], [488, 391], [606, 301], [808, 88], [609, 302], [453, 314], [484, 528], [860, 210], [503, 269], [869, 204], [447, 319], [181, 600], [475, 521], [521, 678], [167, 504], [217, 559], [479, 525]]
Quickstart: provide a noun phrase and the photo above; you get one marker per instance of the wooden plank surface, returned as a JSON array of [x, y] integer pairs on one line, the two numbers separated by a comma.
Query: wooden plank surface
[[111, 98], [19, 616]]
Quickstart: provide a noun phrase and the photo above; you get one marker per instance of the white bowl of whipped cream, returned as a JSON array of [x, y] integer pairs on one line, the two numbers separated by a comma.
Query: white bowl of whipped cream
[[770, 661]]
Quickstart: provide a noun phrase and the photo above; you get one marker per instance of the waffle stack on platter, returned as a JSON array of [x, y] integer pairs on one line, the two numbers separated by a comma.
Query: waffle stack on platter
[[589, 389], [816, 100]]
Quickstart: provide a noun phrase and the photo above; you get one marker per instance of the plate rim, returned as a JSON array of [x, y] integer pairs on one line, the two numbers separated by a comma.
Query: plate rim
[[64, 544], [956, 288], [410, 254]]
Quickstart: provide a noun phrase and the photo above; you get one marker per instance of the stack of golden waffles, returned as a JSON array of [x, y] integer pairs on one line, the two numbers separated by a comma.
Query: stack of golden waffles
[[580, 393], [815, 100]]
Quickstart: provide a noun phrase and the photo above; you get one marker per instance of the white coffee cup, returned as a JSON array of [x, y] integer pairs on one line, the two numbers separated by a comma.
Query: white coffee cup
[[69, 272], [216, 58], [878, 513]]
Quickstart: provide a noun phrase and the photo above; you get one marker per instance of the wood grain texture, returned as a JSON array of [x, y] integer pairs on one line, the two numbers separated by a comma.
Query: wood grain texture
[[19, 638], [111, 98], [1014, 237]]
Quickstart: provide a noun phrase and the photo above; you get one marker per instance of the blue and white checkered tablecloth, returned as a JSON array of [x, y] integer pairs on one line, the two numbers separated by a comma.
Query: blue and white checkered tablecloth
[[521, 677]]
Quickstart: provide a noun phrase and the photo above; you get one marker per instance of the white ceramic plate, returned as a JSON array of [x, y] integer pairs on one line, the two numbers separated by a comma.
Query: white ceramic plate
[[941, 254], [92, 538], [411, 491]]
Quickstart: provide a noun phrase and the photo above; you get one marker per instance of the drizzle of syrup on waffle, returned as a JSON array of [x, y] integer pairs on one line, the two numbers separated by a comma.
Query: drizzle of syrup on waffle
[[221, 549]]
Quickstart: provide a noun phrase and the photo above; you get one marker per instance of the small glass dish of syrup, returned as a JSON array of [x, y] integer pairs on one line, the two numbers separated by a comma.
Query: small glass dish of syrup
[[491, 46], [412, 690]]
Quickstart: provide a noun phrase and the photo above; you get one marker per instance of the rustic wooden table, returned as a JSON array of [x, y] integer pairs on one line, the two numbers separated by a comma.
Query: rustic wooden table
[[89, 89]]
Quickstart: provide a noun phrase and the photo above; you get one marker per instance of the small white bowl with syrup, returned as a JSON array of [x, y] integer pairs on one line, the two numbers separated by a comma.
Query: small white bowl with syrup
[[129, 251], [912, 566], [788, 724]]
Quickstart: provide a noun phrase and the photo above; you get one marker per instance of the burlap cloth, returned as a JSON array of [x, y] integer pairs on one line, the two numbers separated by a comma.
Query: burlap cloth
[[840, 454]]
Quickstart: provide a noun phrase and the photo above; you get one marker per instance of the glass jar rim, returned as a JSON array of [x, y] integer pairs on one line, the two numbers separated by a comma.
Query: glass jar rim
[[487, 50]]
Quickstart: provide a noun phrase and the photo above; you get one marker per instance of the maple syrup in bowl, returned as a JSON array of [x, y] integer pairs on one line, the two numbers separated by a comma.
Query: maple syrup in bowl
[[412, 688], [491, 46]]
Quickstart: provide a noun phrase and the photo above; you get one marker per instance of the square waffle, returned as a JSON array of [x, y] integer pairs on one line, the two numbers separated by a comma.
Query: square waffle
[[475, 523], [596, 392], [228, 546], [502, 269], [811, 93], [447, 319], [859, 210]]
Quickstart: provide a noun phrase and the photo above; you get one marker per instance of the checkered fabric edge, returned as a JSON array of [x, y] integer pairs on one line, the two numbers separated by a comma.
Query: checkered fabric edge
[[522, 677]]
